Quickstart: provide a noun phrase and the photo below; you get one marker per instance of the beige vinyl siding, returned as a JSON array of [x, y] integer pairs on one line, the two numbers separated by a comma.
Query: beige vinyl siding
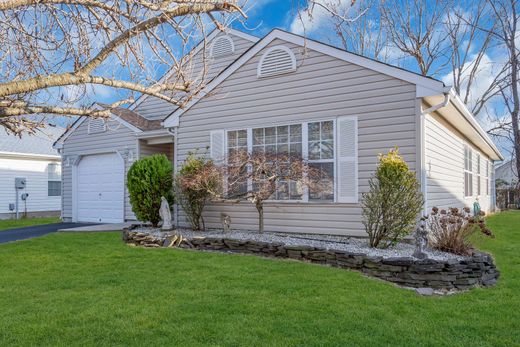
[[153, 108], [444, 164], [81, 143], [322, 88]]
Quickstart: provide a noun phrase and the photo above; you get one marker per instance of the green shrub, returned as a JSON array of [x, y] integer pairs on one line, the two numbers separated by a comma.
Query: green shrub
[[148, 179], [393, 202], [196, 183]]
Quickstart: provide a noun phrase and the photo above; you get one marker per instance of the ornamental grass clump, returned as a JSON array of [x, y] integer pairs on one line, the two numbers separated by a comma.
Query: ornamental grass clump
[[393, 202], [198, 181], [450, 230], [147, 180]]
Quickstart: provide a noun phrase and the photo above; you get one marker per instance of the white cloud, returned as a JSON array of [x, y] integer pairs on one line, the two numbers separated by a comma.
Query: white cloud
[[319, 12]]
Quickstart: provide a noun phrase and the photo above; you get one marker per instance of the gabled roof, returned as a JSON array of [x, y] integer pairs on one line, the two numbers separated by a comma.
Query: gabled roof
[[38, 144], [132, 120], [194, 51], [425, 85]]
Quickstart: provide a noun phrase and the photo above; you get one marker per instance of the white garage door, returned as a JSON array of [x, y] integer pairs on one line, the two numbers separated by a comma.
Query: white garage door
[[100, 189]]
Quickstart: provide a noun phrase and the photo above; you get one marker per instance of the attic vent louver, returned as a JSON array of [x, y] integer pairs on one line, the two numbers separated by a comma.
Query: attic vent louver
[[276, 60], [222, 46], [96, 125]]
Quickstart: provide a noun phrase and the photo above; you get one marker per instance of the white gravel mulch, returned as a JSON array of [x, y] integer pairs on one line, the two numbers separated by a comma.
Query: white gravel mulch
[[340, 243]]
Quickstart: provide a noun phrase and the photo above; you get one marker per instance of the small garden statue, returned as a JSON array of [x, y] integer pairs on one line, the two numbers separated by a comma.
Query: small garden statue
[[476, 208], [421, 239], [165, 214], [225, 219]]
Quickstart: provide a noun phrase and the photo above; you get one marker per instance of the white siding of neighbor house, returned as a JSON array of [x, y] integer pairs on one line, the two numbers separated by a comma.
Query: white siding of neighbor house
[[80, 142], [153, 108], [36, 173], [444, 163], [323, 87]]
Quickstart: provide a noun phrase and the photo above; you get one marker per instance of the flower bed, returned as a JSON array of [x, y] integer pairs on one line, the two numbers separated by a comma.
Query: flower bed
[[441, 271]]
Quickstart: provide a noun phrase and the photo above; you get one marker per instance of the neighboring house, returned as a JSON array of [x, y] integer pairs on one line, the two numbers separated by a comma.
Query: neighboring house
[[33, 160], [506, 173], [337, 109], [506, 180]]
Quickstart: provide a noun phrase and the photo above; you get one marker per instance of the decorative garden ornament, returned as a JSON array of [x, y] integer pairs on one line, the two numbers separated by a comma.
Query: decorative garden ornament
[[225, 219], [165, 214], [421, 239]]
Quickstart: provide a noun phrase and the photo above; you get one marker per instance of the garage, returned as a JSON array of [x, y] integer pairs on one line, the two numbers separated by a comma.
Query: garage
[[100, 189]]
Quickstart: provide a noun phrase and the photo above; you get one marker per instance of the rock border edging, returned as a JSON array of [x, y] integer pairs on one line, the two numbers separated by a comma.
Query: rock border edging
[[474, 271]]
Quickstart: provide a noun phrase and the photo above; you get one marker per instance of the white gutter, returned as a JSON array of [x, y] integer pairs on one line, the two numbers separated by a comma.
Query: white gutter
[[29, 155], [447, 97]]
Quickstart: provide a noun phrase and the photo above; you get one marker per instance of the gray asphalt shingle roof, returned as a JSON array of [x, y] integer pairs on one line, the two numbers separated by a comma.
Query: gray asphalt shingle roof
[[39, 143]]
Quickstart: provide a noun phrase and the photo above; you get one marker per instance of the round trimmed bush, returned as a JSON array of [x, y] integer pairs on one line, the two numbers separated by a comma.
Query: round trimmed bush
[[147, 180]]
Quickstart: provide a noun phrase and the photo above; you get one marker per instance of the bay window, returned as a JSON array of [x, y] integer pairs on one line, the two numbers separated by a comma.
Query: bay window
[[313, 141]]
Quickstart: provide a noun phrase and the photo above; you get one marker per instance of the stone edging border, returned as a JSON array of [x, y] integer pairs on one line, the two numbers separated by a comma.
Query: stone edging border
[[449, 275]]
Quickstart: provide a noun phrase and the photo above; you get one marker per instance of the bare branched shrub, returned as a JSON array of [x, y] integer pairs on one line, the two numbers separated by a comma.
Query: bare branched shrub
[[450, 230], [260, 176], [197, 182], [391, 205]]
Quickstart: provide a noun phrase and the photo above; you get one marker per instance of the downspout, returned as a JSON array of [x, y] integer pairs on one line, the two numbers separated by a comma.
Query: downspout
[[424, 175]]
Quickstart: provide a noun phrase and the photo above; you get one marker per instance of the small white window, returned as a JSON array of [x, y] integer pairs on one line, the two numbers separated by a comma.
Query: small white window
[[222, 46], [468, 171], [54, 179], [276, 60], [479, 190], [96, 125]]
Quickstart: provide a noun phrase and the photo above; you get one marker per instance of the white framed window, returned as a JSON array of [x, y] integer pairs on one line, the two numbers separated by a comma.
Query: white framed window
[[285, 140], [468, 171], [314, 141], [321, 151], [487, 176], [236, 143], [54, 179], [479, 177]]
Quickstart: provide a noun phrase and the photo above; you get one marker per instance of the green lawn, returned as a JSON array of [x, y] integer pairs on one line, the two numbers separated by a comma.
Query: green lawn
[[6, 224], [91, 289]]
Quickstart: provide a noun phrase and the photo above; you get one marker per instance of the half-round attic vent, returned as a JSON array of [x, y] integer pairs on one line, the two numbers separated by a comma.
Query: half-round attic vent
[[276, 60], [222, 46]]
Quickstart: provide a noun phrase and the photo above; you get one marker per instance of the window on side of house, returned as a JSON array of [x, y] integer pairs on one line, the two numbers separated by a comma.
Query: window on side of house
[[54, 179], [468, 171], [487, 177], [479, 177]]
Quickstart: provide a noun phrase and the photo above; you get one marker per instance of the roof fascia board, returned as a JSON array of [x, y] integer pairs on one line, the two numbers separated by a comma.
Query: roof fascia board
[[194, 52], [29, 155], [428, 85], [59, 142], [468, 116]]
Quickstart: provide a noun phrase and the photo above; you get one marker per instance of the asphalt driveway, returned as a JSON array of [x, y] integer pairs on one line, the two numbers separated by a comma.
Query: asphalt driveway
[[35, 231]]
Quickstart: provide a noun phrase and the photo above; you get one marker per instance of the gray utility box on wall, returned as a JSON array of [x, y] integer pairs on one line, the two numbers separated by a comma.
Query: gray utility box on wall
[[20, 182]]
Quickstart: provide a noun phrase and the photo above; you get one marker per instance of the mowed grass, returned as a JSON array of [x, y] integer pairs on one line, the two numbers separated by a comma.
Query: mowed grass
[[91, 289], [7, 224]]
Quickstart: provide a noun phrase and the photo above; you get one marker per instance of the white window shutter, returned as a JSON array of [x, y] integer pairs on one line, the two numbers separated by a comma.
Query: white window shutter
[[217, 145], [347, 159]]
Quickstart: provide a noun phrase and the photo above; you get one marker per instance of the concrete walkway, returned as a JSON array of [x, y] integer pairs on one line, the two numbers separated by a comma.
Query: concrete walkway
[[98, 227], [36, 231]]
